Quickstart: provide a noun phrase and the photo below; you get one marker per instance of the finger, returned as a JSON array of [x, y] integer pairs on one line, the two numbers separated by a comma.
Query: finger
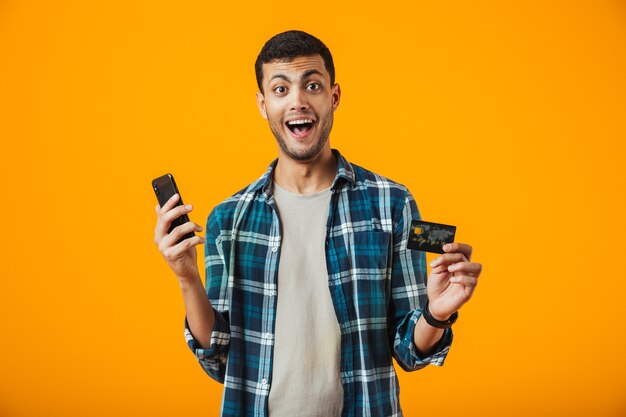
[[187, 243], [447, 259], [174, 236], [165, 221], [175, 251], [464, 248], [465, 280], [176, 212], [441, 269], [471, 268], [169, 204]]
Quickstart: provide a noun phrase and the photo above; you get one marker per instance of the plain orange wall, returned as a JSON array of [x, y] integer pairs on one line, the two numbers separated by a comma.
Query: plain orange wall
[[506, 119]]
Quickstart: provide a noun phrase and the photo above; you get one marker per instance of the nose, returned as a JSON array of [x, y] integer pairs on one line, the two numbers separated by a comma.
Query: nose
[[298, 100]]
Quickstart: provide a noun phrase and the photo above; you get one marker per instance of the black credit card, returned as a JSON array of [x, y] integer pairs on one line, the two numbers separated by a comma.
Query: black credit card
[[430, 237]]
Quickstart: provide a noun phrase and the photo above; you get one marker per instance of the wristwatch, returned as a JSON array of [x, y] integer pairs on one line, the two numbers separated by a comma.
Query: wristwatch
[[436, 323]]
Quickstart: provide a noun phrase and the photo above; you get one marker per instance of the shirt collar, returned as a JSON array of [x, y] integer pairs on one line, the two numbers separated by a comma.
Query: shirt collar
[[344, 172]]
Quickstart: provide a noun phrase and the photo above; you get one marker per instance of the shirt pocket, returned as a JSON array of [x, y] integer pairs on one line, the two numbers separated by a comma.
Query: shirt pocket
[[370, 284], [370, 252]]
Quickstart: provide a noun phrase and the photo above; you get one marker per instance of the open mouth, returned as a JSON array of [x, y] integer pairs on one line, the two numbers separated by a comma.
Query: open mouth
[[300, 127]]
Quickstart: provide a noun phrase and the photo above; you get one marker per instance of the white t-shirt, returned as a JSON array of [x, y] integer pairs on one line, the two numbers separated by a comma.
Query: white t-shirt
[[305, 376]]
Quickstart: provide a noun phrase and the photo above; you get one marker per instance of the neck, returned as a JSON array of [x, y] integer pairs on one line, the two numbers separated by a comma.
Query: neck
[[306, 177]]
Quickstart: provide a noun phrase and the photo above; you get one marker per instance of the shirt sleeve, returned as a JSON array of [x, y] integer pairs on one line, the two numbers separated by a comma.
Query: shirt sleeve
[[213, 359], [408, 295]]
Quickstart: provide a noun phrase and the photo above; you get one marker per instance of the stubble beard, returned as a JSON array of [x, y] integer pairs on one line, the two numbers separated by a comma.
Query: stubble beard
[[307, 154]]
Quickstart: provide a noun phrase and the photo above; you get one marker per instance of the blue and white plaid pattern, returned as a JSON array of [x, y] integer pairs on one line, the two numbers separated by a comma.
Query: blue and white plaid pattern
[[377, 287]]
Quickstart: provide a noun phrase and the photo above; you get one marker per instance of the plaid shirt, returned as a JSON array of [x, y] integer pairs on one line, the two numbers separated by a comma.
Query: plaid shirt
[[377, 287]]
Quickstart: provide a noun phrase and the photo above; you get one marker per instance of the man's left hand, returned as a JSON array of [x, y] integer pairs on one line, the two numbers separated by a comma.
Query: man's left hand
[[452, 280]]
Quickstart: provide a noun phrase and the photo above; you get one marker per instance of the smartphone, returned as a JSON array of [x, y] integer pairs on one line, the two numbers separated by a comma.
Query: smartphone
[[165, 187]]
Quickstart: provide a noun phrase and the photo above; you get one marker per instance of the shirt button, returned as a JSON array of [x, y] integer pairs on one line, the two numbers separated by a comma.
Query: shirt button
[[268, 335], [274, 248], [264, 381]]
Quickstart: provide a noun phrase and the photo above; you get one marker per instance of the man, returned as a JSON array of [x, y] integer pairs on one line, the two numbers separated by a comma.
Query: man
[[310, 288]]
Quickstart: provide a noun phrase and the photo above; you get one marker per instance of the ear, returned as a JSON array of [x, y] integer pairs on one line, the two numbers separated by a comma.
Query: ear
[[336, 96], [260, 102]]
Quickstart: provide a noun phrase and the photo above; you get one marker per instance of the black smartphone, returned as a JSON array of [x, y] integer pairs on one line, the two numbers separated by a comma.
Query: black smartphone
[[165, 187]]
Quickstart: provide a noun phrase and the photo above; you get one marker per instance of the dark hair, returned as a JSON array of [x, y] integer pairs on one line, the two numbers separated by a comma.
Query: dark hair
[[289, 45]]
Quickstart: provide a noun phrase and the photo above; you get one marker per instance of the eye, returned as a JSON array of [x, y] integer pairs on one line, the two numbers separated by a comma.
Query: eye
[[280, 89], [314, 86]]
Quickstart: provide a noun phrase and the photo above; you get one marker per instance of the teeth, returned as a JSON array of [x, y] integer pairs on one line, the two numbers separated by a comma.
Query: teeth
[[299, 121]]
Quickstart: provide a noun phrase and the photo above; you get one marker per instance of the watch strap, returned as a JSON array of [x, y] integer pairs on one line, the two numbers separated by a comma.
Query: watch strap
[[437, 323]]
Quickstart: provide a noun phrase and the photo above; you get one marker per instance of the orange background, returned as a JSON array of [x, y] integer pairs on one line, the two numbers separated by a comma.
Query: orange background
[[503, 118]]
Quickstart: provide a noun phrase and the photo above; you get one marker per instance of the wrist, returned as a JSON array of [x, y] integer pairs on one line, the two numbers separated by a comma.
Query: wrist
[[435, 314], [188, 281], [438, 317], [438, 321]]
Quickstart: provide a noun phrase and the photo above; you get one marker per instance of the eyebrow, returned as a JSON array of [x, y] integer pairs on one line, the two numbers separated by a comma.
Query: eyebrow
[[284, 77], [312, 72], [305, 75]]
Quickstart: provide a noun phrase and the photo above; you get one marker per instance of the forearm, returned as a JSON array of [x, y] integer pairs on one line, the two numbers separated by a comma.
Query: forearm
[[426, 337], [200, 315]]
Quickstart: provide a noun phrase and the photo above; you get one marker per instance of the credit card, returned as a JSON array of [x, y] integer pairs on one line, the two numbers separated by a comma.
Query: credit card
[[429, 236]]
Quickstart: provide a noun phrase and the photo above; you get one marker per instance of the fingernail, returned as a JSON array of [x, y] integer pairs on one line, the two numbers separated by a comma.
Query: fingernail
[[174, 196], [452, 268], [447, 246], [433, 263], [188, 207]]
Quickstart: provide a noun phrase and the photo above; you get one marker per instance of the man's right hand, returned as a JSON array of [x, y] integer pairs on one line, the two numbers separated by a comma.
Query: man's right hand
[[180, 257]]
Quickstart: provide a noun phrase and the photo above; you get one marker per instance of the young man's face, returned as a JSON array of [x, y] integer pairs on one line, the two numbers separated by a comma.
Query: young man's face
[[299, 102]]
